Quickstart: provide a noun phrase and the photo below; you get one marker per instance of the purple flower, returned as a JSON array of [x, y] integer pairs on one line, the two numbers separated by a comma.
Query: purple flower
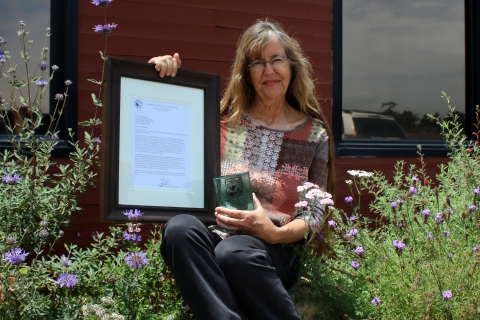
[[301, 204], [400, 200], [359, 250], [475, 248], [102, 3], [376, 301], [413, 190], [105, 30], [447, 295], [133, 214], [12, 180], [446, 234], [15, 256], [353, 218], [399, 245], [348, 199], [399, 224], [438, 218], [41, 83], [426, 212], [430, 236], [67, 280], [97, 140], [352, 233], [65, 262], [450, 211], [59, 97], [450, 255], [133, 237], [393, 204], [2, 41], [331, 223], [472, 207], [43, 65], [415, 179], [477, 190], [136, 259], [355, 264]]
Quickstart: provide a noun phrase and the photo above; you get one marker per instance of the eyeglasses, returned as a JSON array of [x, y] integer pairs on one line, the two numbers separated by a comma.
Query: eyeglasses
[[259, 65]]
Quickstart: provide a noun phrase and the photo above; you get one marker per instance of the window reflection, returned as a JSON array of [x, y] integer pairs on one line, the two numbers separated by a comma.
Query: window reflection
[[398, 56]]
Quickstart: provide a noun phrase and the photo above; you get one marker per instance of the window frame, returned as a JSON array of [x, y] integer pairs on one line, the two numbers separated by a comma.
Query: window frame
[[64, 53], [404, 148]]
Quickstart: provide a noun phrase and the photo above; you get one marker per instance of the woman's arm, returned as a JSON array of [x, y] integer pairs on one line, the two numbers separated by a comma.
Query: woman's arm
[[166, 65]]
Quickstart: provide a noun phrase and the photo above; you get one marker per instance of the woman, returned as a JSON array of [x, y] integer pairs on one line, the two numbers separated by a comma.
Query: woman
[[272, 127]]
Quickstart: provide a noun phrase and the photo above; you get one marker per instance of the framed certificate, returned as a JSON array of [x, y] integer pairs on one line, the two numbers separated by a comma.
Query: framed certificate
[[160, 142]]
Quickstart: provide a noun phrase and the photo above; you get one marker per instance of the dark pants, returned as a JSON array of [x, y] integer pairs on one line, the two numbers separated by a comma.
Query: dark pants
[[223, 279]]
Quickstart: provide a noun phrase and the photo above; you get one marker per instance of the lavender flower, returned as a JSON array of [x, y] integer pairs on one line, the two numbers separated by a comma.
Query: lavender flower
[[398, 244], [472, 207], [415, 179], [355, 264], [426, 212], [376, 301], [331, 223], [450, 255], [353, 218], [438, 218], [413, 190], [477, 190], [301, 204], [136, 259], [359, 250], [2, 41], [97, 140], [446, 234], [430, 236], [15, 256], [393, 204], [133, 214], [133, 237], [12, 180], [102, 3], [43, 65], [447, 295], [475, 248], [348, 199], [67, 280], [105, 30], [450, 211], [352, 233], [41, 83], [65, 262]]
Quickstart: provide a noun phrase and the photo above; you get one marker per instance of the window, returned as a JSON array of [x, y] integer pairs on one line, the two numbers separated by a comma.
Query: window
[[391, 62], [62, 17]]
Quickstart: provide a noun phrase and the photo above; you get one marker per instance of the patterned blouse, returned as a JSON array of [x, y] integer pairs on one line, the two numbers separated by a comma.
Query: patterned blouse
[[278, 161]]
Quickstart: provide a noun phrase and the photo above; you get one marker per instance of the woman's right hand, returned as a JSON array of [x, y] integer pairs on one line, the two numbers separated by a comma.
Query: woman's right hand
[[166, 65]]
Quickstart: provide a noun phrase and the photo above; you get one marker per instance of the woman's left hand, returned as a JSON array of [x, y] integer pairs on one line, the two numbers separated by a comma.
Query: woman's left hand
[[255, 222]]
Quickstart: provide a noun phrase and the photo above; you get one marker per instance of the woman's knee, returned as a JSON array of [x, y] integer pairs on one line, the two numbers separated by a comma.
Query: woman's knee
[[236, 253], [179, 226]]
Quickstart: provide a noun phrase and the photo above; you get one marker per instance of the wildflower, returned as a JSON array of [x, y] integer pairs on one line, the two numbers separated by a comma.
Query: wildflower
[[426, 212], [65, 262], [59, 97], [399, 245], [105, 30], [413, 190], [359, 250], [349, 182], [41, 83], [353, 218], [136, 259], [317, 194], [475, 248], [472, 207], [326, 201], [355, 264], [102, 3], [12, 180], [320, 236], [430, 236], [414, 179], [438, 218], [10, 240], [450, 255], [447, 295], [352, 233], [132, 237], [393, 204], [107, 300], [376, 301], [446, 234], [43, 65], [68, 82], [55, 67], [67, 280], [301, 204], [400, 200], [60, 233], [97, 140], [43, 233], [15, 256], [2, 41], [450, 211], [133, 215], [399, 224], [43, 223], [348, 199], [331, 223]]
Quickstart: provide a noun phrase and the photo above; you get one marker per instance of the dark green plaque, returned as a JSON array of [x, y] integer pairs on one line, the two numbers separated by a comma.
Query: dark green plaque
[[234, 191]]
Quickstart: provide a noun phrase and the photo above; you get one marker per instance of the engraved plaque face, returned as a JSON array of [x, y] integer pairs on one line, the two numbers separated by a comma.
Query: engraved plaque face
[[234, 187]]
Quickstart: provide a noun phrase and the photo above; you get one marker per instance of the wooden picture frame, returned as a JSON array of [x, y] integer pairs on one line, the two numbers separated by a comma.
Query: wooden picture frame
[[160, 142]]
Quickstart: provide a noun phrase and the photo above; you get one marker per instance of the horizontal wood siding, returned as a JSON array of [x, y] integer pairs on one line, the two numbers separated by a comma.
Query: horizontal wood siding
[[205, 34]]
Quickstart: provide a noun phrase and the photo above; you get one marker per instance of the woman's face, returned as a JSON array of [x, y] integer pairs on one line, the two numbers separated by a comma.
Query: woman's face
[[271, 83]]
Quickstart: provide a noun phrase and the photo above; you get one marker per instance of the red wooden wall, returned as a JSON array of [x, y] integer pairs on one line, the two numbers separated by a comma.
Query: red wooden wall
[[205, 34]]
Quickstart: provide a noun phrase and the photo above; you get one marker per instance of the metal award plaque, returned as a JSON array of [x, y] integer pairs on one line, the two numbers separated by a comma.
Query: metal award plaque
[[234, 191]]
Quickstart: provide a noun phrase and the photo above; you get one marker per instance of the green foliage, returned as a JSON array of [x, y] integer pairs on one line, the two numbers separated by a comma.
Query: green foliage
[[419, 243]]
